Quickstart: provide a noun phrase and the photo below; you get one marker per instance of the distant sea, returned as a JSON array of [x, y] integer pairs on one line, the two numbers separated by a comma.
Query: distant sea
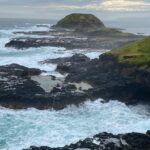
[[133, 25], [10, 23]]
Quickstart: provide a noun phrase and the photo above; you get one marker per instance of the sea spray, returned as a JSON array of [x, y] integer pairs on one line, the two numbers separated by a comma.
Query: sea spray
[[23, 128]]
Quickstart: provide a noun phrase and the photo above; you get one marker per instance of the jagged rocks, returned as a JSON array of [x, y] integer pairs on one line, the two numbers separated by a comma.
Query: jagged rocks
[[20, 87], [109, 78], [106, 141]]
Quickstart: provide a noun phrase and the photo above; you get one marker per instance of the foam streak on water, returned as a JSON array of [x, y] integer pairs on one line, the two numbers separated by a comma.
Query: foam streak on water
[[31, 57], [23, 128]]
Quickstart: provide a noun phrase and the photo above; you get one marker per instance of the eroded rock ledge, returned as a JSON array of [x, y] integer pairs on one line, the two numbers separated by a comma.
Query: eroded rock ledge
[[106, 141]]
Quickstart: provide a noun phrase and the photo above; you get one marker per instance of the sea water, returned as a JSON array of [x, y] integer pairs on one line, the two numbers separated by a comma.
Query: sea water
[[23, 128]]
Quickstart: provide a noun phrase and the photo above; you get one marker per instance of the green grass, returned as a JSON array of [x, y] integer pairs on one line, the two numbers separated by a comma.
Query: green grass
[[137, 53]]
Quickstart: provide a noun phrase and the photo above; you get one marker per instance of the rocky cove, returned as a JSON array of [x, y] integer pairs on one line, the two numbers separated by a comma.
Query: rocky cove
[[112, 76]]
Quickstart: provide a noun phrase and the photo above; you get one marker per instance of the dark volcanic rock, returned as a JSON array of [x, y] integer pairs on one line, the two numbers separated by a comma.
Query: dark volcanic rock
[[65, 65], [106, 141], [110, 79], [18, 90], [113, 80], [75, 58], [103, 77], [18, 70], [71, 42]]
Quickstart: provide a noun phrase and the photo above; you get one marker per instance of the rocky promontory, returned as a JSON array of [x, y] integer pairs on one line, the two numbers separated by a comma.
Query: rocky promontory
[[117, 74], [75, 31]]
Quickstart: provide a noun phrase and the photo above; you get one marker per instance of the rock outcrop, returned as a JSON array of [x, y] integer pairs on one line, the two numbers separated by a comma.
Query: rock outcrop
[[106, 141], [126, 79], [21, 87], [111, 79]]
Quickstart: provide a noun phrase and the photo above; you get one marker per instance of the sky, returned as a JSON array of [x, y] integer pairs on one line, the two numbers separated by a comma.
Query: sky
[[56, 9]]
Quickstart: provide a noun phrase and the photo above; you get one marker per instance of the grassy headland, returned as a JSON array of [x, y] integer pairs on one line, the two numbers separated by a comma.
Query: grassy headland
[[137, 53]]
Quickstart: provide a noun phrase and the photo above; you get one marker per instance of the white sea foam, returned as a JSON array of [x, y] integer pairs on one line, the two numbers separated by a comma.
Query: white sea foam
[[23, 128], [31, 57]]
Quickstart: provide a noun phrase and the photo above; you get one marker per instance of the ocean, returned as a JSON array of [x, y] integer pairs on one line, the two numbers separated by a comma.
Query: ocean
[[22, 128]]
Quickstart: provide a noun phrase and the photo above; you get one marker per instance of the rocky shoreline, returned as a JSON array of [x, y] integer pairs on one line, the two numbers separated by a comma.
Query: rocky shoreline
[[19, 89], [85, 79], [107, 141]]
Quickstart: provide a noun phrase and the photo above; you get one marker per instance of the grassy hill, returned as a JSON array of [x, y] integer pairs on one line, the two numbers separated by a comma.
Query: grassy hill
[[79, 21]]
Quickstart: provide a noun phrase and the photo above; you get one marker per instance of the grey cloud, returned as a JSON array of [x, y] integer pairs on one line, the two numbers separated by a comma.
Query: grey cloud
[[58, 8]]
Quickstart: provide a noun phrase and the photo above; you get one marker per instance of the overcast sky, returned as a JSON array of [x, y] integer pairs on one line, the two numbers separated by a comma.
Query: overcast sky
[[55, 9]]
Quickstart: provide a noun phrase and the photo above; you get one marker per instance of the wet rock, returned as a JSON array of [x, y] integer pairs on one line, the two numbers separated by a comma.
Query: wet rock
[[22, 87], [109, 79], [104, 42], [75, 58], [65, 65], [18, 70], [106, 141], [87, 79]]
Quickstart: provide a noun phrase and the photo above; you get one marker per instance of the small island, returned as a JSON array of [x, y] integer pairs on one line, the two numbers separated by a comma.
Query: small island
[[82, 31]]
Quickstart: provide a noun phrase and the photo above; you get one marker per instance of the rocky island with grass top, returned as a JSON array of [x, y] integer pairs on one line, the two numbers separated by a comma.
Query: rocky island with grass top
[[79, 22], [74, 31]]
